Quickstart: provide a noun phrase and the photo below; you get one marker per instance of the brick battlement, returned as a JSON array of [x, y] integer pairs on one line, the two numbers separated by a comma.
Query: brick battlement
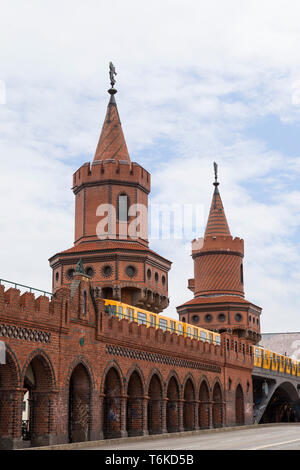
[[40, 312], [103, 170], [217, 243], [17, 307]]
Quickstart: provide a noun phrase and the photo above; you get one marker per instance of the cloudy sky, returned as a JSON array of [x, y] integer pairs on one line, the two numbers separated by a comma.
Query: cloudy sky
[[198, 81]]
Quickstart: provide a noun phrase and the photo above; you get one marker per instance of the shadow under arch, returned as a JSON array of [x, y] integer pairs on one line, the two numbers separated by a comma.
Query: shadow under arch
[[173, 396], [204, 404], [283, 406], [39, 383], [155, 403], [80, 384], [10, 400], [113, 392]]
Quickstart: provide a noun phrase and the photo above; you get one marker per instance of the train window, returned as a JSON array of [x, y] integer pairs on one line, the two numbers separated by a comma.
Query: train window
[[210, 337], [195, 333], [120, 312], [180, 329], [218, 340], [142, 318], [163, 324], [173, 325], [112, 310], [203, 335], [257, 352], [152, 320], [130, 314], [188, 331]]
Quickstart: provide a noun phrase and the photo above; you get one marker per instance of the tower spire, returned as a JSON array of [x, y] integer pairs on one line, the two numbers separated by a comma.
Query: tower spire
[[217, 222], [112, 144]]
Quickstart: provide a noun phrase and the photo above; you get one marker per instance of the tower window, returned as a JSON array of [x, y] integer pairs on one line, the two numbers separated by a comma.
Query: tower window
[[241, 274], [84, 304], [123, 208]]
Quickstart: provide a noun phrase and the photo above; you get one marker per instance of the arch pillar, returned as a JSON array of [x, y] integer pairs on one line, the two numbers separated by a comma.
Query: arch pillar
[[123, 424], [11, 418], [210, 414], [145, 400], [164, 404], [180, 414], [196, 415]]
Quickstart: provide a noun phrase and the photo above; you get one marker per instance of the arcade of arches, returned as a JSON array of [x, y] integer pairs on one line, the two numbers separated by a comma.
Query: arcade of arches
[[129, 405]]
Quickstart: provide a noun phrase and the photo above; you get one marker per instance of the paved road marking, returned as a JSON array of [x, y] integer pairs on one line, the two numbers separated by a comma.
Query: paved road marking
[[275, 444]]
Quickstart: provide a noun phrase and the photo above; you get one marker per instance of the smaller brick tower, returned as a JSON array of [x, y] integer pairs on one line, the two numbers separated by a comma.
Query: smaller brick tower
[[111, 225], [218, 283]]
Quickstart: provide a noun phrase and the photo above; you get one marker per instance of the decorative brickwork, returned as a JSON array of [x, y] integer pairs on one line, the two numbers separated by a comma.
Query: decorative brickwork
[[159, 359], [27, 334]]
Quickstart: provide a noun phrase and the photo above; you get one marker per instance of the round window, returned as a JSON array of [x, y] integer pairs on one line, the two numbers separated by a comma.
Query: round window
[[208, 318], [130, 271], [89, 271], [221, 317], [107, 270], [238, 317], [195, 318], [70, 273]]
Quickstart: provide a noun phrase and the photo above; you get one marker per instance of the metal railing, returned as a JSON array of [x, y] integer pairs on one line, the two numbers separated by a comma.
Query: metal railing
[[17, 285]]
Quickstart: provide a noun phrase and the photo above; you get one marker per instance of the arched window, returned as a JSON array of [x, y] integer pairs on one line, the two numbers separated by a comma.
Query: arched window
[[123, 208], [241, 274], [84, 304]]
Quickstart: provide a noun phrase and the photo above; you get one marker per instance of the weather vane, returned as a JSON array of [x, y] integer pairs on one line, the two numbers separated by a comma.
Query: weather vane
[[216, 172], [112, 73]]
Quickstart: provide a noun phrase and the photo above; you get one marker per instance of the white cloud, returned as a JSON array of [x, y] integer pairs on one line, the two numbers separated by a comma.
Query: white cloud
[[192, 75]]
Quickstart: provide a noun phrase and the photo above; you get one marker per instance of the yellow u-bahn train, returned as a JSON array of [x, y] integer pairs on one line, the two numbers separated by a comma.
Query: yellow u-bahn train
[[271, 360], [144, 317]]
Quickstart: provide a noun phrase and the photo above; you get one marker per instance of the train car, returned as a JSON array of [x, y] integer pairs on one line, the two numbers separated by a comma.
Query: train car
[[276, 362], [144, 317]]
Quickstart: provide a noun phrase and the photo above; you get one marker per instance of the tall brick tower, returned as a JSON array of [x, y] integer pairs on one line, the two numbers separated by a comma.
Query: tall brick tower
[[218, 283], [111, 225]]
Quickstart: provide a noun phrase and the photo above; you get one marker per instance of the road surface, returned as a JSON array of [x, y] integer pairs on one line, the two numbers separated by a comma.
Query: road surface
[[280, 437]]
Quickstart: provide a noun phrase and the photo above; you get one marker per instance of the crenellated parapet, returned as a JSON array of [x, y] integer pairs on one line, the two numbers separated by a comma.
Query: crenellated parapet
[[217, 243], [115, 171]]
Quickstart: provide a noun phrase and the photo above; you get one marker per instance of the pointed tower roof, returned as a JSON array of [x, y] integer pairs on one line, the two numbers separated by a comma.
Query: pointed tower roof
[[217, 222], [112, 145]]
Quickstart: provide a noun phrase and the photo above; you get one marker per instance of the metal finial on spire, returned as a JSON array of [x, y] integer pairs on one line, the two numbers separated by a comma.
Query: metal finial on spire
[[112, 73], [216, 174]]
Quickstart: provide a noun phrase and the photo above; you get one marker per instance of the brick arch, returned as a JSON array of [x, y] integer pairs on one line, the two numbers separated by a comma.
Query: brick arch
[[174, 374], [153, 371], [135, 390], [112, 364], [204, 379], [138, 370], [186, 378], [85, 363], [113, 391], [155, 402], [10, 399], [35, 356], [10, 373], [189, 396], [239, 404], [217, 403], [173, 394], [79, 401], [38, 378], [204, 397]]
